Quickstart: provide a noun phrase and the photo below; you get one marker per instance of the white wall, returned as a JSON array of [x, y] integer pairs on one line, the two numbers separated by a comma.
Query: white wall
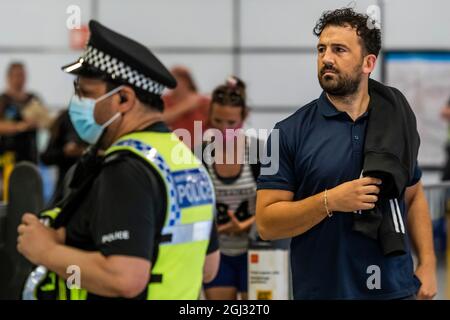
[[276, 44], [28, 23], [417, 24], [177, 23]]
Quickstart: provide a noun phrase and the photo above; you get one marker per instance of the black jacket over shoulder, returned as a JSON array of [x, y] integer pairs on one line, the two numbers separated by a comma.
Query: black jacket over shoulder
[[390, 154], [392, 141]]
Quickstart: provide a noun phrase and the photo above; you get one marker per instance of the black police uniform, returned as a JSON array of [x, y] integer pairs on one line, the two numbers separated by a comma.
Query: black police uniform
[[124, 195]]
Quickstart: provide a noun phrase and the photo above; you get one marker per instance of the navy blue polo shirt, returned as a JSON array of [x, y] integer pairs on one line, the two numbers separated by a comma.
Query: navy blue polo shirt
[[321, 147]]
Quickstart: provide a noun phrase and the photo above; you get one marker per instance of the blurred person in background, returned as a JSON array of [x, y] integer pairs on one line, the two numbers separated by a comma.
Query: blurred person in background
[[234, 180], [20, 115], [184, 105], [64, 149], [445, 114]]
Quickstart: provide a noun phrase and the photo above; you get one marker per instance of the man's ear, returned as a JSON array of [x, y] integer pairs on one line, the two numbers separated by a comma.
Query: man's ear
[[369, 63], [127, 98]]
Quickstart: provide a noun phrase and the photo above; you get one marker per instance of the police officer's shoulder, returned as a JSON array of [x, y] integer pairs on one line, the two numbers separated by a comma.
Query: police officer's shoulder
[[113, 158], [119, 158], [126, 165]]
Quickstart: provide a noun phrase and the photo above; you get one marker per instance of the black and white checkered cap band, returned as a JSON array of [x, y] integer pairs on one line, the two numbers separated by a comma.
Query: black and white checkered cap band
[[119, 70]]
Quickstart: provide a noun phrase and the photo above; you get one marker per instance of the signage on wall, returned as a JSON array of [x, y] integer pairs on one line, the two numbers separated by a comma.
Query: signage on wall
[[79, 37]]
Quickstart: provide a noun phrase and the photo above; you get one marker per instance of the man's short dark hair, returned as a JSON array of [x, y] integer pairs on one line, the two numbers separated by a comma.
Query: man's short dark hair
[[364, 25]]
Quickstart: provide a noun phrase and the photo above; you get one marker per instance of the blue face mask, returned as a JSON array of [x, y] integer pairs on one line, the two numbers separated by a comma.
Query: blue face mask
[[81, 112]]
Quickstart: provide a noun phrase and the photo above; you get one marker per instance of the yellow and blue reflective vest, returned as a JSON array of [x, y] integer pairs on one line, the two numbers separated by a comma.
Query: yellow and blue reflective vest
[[178, 268]]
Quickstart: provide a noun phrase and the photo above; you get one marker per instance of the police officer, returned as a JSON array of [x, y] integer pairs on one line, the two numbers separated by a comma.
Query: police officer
[[137, 222]]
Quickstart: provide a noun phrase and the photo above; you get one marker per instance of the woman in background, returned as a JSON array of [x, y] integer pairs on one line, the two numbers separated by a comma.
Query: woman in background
[[234, 181]]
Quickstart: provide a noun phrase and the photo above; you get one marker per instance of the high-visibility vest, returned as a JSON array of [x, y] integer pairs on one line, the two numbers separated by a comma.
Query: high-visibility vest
[[177, 271]]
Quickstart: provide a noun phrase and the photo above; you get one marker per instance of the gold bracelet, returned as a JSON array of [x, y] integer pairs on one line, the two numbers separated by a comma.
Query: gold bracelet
[[325, 202]]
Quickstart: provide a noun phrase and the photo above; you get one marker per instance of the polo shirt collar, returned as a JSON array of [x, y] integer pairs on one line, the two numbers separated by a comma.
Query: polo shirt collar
[[328, 110], [326, 107]]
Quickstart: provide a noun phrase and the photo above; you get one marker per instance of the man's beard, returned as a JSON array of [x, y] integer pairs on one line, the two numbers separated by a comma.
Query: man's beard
[[339, 84]]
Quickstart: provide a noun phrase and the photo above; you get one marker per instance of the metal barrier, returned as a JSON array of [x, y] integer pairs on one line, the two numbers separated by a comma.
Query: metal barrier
[[438, 197]]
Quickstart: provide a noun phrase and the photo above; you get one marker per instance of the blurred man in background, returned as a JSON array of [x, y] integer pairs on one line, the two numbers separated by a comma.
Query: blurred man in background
[[184, 105], [64, 149], [18, 116], [445, 114]]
